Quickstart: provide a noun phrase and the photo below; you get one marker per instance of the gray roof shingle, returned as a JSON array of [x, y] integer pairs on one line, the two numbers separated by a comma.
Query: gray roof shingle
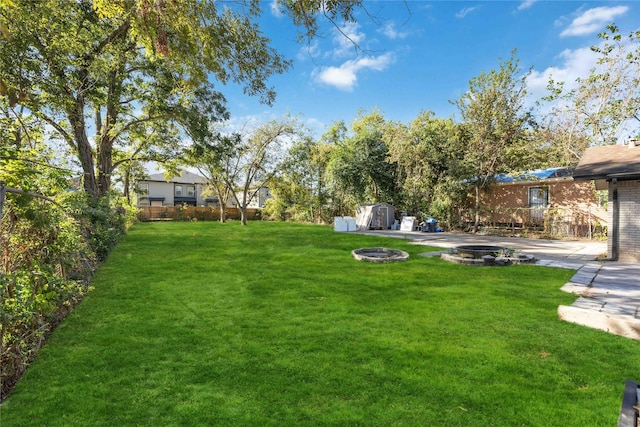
[[610, 161], [185, 177]]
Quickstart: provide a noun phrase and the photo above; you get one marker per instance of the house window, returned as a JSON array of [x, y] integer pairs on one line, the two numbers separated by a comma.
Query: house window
[[538, 197], [178, 190], [191, 191]]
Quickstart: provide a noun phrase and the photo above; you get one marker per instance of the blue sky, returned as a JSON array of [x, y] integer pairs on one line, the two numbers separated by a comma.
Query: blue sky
[[419, 55]]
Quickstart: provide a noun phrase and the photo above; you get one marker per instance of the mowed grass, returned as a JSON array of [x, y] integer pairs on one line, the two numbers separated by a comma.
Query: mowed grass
[[275, 324]]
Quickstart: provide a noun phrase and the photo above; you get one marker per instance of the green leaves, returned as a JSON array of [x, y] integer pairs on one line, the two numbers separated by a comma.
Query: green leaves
[[358, 162], [136, 69], [603, 108]]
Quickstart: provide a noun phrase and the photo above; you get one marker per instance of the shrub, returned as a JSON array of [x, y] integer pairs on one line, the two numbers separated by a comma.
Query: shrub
[[49, 252]]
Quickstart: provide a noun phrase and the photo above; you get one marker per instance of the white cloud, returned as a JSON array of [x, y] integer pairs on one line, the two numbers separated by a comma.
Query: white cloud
[[593, 20], [311, 50], [464, 12], [347, 39], [315, 126], [275, 9], [390, 31], [247, 123], [526, 4], [345, 76], [574, 64]]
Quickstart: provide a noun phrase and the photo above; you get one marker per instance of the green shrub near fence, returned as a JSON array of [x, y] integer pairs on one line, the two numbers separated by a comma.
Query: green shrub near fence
[[49, 250]]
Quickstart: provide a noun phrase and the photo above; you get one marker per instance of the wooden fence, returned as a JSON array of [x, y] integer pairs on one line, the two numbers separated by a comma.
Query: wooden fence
[[554, 222], [191, 213]]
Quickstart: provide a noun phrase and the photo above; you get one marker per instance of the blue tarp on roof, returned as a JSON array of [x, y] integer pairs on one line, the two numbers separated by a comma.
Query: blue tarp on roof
[[536, 175]]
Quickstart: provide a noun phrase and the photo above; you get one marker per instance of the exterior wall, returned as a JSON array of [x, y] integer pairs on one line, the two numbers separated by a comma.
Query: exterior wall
[[162, 189], [200, 199], [216, 204], [629, 221], [569, 201], [159, 189], [259, 200]]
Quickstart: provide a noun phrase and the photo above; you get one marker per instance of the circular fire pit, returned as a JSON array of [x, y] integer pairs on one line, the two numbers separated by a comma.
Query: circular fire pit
[[478, 251], [380, 255], [486, 255]]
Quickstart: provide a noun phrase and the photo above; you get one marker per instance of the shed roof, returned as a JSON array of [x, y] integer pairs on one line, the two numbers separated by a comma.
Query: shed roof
[[610, 161]]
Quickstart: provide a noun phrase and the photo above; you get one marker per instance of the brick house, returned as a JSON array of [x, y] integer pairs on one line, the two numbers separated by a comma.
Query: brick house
[[617, 168], [544, 198]]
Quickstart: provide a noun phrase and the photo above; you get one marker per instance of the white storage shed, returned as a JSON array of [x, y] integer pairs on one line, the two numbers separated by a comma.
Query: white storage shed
[[377, 216]]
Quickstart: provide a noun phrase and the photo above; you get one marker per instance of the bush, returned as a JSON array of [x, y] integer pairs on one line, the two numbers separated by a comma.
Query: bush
[[103, 222], [49, 252]]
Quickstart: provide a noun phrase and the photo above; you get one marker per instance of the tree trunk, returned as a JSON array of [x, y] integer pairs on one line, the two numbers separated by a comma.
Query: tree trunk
[[105, 163], [223, 213], [126, 183], [222, 200], [105, 151], [477, 210], [243, 215], [243, 205], [85, 152]]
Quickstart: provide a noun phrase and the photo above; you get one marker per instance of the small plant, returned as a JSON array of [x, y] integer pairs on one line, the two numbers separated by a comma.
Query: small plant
[[507, 253]]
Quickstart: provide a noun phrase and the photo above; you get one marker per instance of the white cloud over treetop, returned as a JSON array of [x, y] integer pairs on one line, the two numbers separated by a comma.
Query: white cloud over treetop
[[464, 12], [347, 39], [575, 64], [526, 4], [389, 30], [345, 76], [593, 20]]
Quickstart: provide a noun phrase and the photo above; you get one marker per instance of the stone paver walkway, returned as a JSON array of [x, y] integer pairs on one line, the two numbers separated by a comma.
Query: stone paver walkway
[[608, 298]]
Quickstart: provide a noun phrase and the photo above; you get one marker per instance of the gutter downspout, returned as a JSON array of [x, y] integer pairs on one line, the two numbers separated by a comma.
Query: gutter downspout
[[615, 231]]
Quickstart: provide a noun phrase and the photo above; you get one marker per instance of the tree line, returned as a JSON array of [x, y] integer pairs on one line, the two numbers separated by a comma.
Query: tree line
[[431, 166]]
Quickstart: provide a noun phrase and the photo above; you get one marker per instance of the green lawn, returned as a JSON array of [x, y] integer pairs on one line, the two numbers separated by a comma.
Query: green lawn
[[275, 324]]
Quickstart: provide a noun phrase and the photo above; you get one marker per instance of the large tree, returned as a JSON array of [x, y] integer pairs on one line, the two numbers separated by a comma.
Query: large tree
[[260, 157], [428, 154], [604, 107], [103, 73], [216, 160], [358, 165], [300, 192], [239, 165], [495, 122]]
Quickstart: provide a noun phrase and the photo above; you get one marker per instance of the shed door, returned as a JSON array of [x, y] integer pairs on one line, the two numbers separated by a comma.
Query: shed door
[[384, 215]]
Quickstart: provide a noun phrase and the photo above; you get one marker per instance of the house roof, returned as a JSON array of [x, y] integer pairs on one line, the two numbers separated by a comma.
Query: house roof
[[607, 162], [536, 175], [185, 177]]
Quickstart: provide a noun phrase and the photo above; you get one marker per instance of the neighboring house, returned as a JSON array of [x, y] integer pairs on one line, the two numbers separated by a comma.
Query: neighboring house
[[259, 200], [544, 195], [617, 168], [185, 189]]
